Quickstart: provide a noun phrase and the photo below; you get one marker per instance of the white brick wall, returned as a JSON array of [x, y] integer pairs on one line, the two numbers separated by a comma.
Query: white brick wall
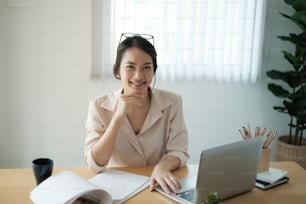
[[46, 61]]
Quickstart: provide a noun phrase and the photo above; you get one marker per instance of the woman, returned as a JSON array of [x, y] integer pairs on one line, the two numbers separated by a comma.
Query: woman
[[137, 125]]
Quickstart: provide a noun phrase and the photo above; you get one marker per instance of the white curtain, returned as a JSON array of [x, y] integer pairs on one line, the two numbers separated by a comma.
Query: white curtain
[[195, 39]]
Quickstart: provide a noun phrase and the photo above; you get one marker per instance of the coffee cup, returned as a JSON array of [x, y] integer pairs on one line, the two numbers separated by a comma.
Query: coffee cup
[[42, 169]]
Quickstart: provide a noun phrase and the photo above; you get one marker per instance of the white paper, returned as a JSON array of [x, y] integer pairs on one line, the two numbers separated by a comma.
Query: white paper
[[120, 185], [65, 187]]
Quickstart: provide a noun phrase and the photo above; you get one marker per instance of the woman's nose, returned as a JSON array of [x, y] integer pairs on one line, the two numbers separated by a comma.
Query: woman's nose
[[138, 74]]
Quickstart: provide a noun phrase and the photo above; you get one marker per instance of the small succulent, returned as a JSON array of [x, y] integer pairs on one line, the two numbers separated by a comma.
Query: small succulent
[[211, 198]]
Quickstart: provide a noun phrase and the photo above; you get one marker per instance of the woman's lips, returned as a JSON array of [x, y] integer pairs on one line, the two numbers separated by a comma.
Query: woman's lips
[[138, 84]]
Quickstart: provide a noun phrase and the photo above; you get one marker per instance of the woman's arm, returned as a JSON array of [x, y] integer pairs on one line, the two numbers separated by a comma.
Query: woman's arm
[[100, 135], [176, 153], [102, 150]]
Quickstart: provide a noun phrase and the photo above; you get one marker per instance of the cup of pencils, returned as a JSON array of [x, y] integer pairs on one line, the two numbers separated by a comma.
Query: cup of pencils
[[246, 133]]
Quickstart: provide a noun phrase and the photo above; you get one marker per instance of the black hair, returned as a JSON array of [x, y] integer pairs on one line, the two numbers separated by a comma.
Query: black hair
[[135, 41]]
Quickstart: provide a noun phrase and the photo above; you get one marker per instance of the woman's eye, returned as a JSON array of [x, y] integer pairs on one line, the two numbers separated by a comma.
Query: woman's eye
[[129, 67], [147, 67]]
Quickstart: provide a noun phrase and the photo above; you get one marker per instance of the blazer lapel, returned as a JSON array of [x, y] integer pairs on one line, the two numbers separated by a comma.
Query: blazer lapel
[[158, 104]]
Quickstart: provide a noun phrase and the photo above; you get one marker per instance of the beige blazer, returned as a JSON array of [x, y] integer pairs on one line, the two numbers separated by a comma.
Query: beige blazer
[[163, 133]]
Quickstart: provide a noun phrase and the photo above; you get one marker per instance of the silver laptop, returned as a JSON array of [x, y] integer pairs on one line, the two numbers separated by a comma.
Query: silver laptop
[[229, 170]]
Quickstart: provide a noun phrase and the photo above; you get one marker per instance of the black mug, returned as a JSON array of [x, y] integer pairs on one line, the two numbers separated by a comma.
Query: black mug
[[42, 168]]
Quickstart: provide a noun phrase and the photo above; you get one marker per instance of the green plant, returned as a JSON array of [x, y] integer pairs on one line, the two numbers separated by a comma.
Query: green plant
[[211, 198], [294, 94]]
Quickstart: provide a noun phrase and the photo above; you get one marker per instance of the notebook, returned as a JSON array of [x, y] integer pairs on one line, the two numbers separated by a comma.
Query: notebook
[[265, 185], [229, 170], [272, 175], [272, 178]]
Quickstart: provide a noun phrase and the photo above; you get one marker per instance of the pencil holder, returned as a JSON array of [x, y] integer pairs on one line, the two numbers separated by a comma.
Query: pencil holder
[[264, 162]]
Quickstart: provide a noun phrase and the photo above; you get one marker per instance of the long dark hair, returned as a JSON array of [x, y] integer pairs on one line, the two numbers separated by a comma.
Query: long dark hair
[[135, 41]]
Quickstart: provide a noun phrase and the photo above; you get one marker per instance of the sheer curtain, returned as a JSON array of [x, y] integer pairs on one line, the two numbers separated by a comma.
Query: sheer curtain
[[195, 39]]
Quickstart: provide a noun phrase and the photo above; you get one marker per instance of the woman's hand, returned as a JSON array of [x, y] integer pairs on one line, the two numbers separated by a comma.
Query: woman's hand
[[128, 102], [162, 175]]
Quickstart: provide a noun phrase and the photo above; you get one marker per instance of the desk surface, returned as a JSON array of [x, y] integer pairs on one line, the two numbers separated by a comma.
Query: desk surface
[[16, 185]]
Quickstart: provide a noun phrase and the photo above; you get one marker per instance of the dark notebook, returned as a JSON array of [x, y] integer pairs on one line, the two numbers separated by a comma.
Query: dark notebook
[[265, 185]]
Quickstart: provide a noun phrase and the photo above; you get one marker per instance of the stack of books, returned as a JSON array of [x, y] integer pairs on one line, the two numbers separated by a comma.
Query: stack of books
[[271, 178]]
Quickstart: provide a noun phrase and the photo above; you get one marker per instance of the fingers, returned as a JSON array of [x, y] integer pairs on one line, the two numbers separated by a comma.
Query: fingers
[[133, 99], [172, 183], [153, 184], [127, 103], [168, 183]]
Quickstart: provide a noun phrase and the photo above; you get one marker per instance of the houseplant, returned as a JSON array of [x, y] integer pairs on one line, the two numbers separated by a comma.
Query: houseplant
[[293, 89]]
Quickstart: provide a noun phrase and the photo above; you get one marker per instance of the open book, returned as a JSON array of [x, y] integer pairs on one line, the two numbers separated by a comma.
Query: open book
[[108, 187]]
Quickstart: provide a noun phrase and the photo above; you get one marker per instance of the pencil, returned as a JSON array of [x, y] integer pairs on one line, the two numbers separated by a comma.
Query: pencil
[[245, 131], [269, 139], [249, 130], [242, 135], [257, 131], [263, 132]]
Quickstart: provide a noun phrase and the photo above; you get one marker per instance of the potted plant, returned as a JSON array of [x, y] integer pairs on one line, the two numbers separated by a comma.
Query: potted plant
[[293, 91]]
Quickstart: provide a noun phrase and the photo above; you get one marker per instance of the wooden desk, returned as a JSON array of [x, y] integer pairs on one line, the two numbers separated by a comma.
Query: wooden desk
[[16, 185]]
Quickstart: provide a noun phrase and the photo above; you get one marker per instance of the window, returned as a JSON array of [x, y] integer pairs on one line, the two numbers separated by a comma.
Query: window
[[195, 39]]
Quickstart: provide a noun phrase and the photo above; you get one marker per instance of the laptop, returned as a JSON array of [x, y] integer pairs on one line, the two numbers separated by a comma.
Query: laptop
[[229, 170]]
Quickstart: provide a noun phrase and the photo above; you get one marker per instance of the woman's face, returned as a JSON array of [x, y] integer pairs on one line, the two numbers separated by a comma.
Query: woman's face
[[136, 71]]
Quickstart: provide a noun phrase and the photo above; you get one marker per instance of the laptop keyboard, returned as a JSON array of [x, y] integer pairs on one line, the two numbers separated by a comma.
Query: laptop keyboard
[[188, 195]]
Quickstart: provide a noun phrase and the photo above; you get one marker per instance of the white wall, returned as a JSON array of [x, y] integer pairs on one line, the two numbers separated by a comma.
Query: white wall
[[45, 86], [2, 82]]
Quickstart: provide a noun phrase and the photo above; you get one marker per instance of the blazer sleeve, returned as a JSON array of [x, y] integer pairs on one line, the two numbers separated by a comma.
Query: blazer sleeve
[[94, 130], [177, 144]]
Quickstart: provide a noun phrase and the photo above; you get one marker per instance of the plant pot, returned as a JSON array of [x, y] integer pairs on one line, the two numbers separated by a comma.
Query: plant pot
[[289, 152]]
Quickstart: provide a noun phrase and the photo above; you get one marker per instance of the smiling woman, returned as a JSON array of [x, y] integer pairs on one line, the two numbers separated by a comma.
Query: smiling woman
[[210, 39], [137, 125]]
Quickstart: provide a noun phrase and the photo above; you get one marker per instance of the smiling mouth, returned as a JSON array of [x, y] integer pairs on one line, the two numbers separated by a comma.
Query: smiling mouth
[[138, 84]]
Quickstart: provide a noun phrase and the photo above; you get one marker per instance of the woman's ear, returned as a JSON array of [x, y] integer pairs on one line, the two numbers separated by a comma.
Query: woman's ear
[[117, 76]]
